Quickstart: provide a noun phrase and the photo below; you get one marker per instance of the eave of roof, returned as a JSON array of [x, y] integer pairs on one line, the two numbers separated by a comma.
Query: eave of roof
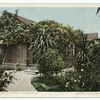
[[22, 19]]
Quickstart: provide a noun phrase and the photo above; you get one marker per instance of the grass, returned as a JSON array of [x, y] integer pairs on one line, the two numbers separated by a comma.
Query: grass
[[45, 84]]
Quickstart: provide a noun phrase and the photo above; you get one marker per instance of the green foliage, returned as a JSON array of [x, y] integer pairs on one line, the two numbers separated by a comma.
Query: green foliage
[[68, 81], [51, 34], [5, 79], [86, 76], [42, 42], [45, 84], [12, 30], [51, 63], [43, 38], [84, 65], [48, 36]]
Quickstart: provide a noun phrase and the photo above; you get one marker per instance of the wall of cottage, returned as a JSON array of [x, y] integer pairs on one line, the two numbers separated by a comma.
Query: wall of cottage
[[16, 54]]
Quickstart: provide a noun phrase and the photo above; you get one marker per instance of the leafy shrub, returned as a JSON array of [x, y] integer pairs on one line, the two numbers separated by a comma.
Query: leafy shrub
[[51, 63], [70, 81], [87, 65], [5, 79], [86, 76]]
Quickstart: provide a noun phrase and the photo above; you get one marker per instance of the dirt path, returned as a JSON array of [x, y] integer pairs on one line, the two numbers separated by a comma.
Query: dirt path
[[22, 82]]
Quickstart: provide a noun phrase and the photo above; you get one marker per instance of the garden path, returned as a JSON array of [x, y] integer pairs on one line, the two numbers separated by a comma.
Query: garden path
[[22, 82]]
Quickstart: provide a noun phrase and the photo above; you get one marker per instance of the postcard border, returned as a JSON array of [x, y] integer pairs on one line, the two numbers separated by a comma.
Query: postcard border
[[50, 94]]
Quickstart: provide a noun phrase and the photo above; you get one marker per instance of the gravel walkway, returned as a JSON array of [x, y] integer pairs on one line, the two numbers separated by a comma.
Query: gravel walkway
[[22, 82]]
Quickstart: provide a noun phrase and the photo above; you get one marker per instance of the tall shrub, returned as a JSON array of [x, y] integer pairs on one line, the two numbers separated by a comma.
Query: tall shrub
[[51, 63], [5, 79]]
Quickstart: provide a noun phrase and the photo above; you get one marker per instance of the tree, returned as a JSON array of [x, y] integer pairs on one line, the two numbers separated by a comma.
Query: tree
[[51, 34], [42, 42]]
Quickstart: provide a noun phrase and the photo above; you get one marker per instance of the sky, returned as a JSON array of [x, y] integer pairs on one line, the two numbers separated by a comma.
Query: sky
[[80, 18]]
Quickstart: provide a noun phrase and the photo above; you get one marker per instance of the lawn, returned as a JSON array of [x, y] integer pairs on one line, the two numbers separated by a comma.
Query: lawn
[[45, 84]]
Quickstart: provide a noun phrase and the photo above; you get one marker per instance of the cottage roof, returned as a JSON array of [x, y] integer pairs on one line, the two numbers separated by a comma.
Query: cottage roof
[[24, 20], [92, 36]]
